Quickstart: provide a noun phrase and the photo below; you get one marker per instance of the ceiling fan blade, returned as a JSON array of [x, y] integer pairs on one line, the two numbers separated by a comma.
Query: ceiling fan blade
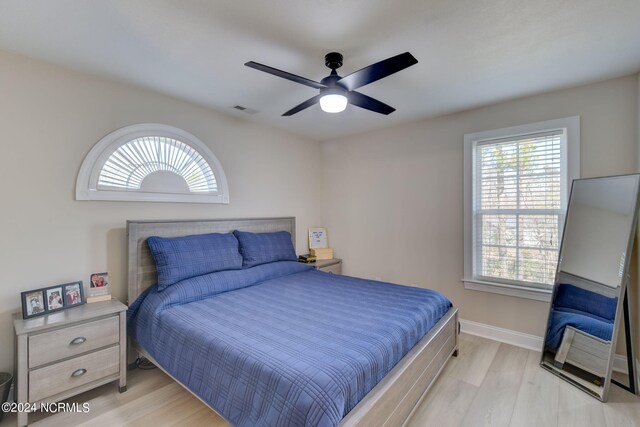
[[377, 71], [306, 104], [368, 103], [285, 75]]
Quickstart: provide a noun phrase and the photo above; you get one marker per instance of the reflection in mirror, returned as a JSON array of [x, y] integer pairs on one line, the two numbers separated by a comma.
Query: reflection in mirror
[[580, 331], [590, 282], [597, 228]]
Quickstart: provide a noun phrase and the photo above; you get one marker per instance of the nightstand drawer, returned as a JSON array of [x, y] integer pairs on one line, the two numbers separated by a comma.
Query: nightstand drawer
[[68, 342], [334, 268], [63, 376]]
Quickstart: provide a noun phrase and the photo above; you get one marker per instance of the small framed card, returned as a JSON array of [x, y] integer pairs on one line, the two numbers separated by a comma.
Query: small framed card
[[99, 280], [99, 288], [318, 238]]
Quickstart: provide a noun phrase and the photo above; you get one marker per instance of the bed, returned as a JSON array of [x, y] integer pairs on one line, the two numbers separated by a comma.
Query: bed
[[284, 344]]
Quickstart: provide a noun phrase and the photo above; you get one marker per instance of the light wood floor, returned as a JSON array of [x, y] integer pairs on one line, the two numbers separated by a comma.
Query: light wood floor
[[489, 383]]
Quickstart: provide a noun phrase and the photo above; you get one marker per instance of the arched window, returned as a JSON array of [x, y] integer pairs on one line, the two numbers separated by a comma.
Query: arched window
[[152, 163]]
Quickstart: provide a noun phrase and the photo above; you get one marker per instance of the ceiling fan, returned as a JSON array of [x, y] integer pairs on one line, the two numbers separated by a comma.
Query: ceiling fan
[[336, 91]]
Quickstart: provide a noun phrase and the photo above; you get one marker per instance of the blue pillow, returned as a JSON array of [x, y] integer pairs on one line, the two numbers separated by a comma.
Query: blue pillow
[[261, 248], [179, 258]]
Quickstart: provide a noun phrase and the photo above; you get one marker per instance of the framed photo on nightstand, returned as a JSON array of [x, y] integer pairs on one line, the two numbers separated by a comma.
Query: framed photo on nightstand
[[73, 294], [99, 288], [33, 304], [99, 280], [53, 298], [38, 302], [318, 238]]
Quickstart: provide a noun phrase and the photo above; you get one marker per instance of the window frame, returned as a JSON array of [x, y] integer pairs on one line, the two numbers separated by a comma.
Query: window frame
[[570, 151], [87, 182]]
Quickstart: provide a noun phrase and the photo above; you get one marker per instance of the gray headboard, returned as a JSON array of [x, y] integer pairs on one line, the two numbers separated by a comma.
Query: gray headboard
[[142, 269]]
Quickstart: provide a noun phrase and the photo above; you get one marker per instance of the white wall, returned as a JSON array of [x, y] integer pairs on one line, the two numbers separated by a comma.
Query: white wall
[[393, 198], [51, 117]]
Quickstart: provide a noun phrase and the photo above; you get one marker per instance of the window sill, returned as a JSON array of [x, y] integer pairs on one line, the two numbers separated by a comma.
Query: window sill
[[511, 290]]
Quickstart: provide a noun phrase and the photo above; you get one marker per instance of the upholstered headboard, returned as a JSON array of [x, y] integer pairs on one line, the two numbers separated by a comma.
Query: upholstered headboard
[[142, 269]]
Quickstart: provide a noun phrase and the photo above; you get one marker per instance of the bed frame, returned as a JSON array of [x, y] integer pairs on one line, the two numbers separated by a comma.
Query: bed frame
[[390, 402]]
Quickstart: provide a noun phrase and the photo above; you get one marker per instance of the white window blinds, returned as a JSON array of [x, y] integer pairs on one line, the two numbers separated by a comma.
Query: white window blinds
[[518, 208], [152, 162], [132, 162]]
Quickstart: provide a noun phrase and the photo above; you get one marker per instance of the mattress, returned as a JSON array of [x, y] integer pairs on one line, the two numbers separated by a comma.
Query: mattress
[[282, 344]]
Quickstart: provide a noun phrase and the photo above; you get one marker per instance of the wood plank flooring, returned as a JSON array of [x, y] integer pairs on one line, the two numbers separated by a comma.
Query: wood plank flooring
[[495, 384], [488, 384]]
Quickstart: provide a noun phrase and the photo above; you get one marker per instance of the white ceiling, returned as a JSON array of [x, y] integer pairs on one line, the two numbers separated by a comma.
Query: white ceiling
[[471, 52]]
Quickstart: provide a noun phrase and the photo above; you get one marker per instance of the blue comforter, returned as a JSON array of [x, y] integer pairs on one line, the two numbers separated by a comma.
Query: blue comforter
[[590, 325], [282, 344], [582, 309]]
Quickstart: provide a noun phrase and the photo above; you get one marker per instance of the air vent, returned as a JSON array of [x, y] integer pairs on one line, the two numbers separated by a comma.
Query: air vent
[[244, 109]]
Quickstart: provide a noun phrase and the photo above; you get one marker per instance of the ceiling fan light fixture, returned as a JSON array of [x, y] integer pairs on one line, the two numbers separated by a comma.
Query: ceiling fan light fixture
[[335, 91], [333, 103]]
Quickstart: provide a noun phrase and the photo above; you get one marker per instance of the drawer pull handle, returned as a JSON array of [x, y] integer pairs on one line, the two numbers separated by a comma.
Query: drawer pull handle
[[79, 372], [78, 340]]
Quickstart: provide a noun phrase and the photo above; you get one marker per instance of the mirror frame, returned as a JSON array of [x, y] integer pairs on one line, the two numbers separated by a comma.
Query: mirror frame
[[622, 308]]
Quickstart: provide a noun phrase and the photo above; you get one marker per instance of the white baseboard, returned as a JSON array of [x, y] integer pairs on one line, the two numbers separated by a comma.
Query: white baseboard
[[508, 336], [620, 364], [528, 341]]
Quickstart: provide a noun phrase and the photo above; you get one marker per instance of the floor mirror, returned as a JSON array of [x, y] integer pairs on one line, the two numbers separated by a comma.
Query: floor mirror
[[589, 301]]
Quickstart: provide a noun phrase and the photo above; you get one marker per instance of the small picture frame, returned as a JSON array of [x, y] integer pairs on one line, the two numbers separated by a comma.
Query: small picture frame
[[318, 238], [33, 304], [73, 294], [99, 280], [53, 298], [38, 302]]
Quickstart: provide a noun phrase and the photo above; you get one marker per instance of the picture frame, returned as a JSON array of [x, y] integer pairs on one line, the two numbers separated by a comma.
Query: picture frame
[[99, 280], [52, 299], [98, 287], [73, 294], [33, 303], [318, 238]]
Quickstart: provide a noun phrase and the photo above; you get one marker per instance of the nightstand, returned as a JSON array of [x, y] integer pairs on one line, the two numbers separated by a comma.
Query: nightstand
[[61, 354], [329, 265]]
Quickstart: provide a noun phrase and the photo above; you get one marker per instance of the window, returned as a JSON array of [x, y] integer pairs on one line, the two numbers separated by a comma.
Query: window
[[517, 183], [152, 162]]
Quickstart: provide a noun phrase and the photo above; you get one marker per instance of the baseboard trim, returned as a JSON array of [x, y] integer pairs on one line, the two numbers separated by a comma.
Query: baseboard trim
[[620, 364], [508, 336], [528, 341]]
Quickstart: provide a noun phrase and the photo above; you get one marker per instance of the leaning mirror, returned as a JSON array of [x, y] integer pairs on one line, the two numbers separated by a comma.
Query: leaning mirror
[[589, 295]]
